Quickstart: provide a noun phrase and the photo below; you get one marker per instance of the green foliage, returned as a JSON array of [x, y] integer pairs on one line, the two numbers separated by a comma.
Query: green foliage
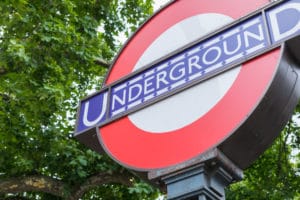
[[47, 64], [139, 191], [276, 174]]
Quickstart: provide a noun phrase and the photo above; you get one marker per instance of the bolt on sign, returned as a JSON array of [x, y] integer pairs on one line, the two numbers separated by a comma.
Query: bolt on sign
[[198, 75]]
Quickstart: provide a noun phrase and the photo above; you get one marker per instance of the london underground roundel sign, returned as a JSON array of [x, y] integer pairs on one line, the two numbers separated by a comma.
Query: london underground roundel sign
[[193, 78]]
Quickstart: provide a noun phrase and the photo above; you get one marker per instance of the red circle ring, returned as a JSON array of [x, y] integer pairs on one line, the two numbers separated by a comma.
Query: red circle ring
[[140, 150]]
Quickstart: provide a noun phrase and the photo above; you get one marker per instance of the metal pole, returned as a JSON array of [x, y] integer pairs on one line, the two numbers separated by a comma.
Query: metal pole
[[204, 178]]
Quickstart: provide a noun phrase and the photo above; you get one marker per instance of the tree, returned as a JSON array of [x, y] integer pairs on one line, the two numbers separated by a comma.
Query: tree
[[50, 53], [276, 174]]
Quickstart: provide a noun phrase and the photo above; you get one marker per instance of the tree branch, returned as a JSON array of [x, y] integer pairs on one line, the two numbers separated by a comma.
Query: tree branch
[[58, 188], [102, 63], [123, 178], [33, 184]]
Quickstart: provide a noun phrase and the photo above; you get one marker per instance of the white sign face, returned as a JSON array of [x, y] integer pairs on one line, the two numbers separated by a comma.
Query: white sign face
[[162, 117], [192, 79]]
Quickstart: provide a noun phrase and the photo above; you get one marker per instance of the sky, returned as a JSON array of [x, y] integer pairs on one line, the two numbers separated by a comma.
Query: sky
[[159, 3]]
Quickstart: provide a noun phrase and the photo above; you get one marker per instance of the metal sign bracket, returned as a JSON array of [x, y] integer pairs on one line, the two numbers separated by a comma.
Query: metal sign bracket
[[203, 178]]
